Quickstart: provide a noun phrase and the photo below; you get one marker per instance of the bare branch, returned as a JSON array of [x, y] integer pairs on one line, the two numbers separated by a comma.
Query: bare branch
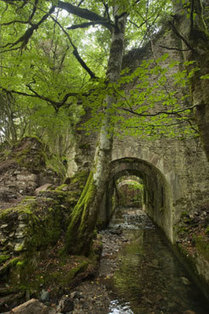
[[34, 94], [106, 10], [173, 48], [85, 25], [137, 26], [29, 32], [80, 3], [176, 112], [180, 36], [34, 11], [13, 22], [11, 49], [75, 51], [84, 13]]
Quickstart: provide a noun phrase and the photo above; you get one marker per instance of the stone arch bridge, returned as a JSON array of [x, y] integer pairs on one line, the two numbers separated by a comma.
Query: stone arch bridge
[[175, 175]]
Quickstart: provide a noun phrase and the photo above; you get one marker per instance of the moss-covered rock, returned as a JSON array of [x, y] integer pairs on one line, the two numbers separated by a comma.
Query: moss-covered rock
[[32, 232], [193, 245], [80, 232]]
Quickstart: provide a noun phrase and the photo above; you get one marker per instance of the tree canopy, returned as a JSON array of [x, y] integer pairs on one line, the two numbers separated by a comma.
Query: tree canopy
[[54, 57]]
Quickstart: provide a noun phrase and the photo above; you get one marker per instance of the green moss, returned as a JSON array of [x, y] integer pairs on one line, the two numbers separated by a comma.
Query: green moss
[[20, 263], [61, 188], [44, 228], [29, 198], [81, 228], [207, 230], [4, 258], [25, 207], [202, 245], [80, 178], [20, 247], [65, 279], [23, 158], [55, 164], [8, 264]]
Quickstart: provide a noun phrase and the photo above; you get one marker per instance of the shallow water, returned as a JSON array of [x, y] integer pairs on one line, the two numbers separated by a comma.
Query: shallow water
[[149, 279]]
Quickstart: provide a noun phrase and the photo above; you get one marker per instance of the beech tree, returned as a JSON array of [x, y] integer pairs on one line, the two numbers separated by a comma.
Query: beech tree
[[46, 69]]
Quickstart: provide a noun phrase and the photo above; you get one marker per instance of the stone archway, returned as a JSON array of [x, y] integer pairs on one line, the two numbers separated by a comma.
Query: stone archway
[[157, 196]]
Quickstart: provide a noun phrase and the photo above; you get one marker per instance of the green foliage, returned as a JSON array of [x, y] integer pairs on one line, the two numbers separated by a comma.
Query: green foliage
[[155, 104], [48, 68]]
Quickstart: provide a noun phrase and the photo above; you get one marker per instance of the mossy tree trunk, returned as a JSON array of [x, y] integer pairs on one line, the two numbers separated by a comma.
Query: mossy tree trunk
[[190, 26], [84, 217]]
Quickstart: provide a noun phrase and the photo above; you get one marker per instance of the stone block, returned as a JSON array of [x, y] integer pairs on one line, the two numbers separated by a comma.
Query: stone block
[[4, 226], [32, 306], [19, 246], [27, 177], [42, 188]]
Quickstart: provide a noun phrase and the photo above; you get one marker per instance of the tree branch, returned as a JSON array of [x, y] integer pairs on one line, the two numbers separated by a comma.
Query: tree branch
[[13, 22], [34, 11], [173, 48], [29, 32], [180, 36], [85, 25], [106, 10], [75, 51], [157, 113], [55, 104], [84, 13], [80, 3]]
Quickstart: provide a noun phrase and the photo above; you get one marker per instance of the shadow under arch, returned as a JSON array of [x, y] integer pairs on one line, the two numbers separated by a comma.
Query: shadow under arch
[[157, 196]]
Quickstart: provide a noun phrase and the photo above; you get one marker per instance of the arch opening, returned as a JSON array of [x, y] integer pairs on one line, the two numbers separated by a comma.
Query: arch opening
[[156, 200], [128, 192]]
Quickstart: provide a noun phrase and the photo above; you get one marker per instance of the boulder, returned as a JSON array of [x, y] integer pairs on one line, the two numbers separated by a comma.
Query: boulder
[[32, 306]]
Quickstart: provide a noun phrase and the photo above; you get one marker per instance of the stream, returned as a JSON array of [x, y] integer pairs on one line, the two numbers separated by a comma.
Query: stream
[[148, 278]]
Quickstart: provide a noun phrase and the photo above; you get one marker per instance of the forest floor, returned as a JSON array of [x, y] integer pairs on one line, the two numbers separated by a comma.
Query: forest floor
[[93, 293], [93, 296]]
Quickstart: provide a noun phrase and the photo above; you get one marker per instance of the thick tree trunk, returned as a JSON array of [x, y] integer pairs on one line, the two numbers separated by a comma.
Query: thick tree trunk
[[195, 42], [84, 217]]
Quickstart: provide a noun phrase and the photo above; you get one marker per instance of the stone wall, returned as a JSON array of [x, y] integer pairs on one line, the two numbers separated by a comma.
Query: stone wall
[[181, 163], [23, 169]]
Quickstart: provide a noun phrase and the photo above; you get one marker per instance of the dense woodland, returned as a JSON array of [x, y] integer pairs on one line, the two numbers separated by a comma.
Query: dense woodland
[[62, 59]]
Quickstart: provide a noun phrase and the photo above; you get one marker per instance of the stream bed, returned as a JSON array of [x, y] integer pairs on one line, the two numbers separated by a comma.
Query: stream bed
[[148, 278], [138, 273]]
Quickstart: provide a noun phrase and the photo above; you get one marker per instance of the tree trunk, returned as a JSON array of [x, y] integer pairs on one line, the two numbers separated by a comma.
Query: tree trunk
[[84, 217], [195, 39]]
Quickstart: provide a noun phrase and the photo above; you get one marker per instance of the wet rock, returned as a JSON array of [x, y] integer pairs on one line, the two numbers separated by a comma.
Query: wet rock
[[4, 226], [76, 295], [185, 281], [44, 297], [65, 305], [117, 231]]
